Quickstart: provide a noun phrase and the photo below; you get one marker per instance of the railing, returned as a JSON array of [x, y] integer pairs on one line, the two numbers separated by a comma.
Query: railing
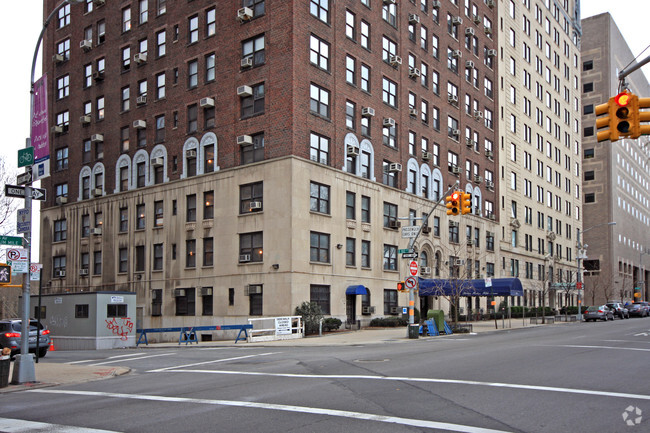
[[275, 328]]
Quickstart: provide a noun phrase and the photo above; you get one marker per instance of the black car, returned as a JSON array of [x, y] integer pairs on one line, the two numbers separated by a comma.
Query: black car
[[637, 310], [10, 335]]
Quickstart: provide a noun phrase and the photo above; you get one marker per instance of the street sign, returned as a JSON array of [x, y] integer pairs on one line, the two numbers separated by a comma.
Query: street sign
[[25, 157], [410, 231], [11, 240], [405, 250], [34, 271], [26, 177], [413, 268], [488, 282], [412, 255], [17, 259], [24, 221], [19, 192], [410, 283], [5, 274]]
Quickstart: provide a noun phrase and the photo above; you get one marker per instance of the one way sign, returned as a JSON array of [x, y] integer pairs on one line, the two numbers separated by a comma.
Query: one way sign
[[19, 192]]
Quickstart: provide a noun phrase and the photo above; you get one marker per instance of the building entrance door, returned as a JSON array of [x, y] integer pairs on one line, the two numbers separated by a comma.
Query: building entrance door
[[351, 308]]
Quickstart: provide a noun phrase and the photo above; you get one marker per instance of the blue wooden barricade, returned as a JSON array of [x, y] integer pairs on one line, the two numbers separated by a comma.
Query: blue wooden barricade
[[188, 335]]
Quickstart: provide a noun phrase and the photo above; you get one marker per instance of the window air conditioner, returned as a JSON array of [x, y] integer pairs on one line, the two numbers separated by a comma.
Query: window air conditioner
[[490, 3], [457, 53], [86, 45], [488, 30], [247, 62], [457, 20], [158, 162], [367, 112], [191, 153], [255, 206], [85, 119], [459, 262], [61, 200], [139, 124], [205, 291], [58, 58], [469, 31], [414, 72], [179, 293], [83, 271], [469, 142], [206, 103], [395, 167], [243, 258], [394, 224], [435, 4], [367, 310], [476, 19], [57, 129], [353, 150], [478, 179], [489, 154], [245, 14], [97, 138], [455, 169], [252, 289], [426, 230], [60, 274], [142, 99], [97, 192], [413, 111], [98, 75], [414, 19], [470, 242], [478, 114], [243, 91], [452, 99], [425, 270], [140, 58], [390, 122], [469, 63], [96, 231], [395, 61], [491, 53], [427, 156], [455, 132], [453, 224], [99, 2], [244, 140], [489, 184]]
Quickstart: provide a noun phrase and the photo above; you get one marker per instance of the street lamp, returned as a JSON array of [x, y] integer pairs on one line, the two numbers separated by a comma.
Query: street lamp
[[582, 255], [24, 364]]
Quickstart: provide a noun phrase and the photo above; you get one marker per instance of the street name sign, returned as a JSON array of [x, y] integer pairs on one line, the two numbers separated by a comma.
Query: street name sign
[[11, 240], [405, 250], [410, 231], [19, 192]]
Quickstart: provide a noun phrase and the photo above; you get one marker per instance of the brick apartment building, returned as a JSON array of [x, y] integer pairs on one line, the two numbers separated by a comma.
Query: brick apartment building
[[228, 159]]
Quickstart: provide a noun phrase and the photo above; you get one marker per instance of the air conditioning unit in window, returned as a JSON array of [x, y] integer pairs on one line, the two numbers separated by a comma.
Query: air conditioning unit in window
[[58, 58], [489, 154], [99, 2], [478, 114], [478, 179], [414, 19], [140, 100], [353, 150], [476, 19], [85, 119], [470, 242], [395, 167], [452, 99], [470, 143], [247, 62], [244, 140], [435, 4], [179, 293], [97, 192], [492, 216], [61, 200], [453, 224], [139, 124], [425, 270], [414, 72], [490, 3], [57, 129], [191, 153], [206, 102], [205, 291], [413, 112], [489, 184], [245, 14], [469, 63], [243, 91], [455, 169], [395, 61], [60, 274], [394, 224], [488, 30], [459, 262], [83, 272], [427, 156], [389, 121], [97, 231], [86, 45], [390, 2], [456, 20], [140, 58], [98, 75], [252, 289], [158, 162], [367, 310], [244, 258], [426, 230], [469, 31], [367, 112], [97, 138], [491, 53], [457, 54], [255, 206]]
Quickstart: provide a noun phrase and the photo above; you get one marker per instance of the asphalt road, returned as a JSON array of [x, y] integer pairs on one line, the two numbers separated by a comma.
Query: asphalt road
[[584, 377]]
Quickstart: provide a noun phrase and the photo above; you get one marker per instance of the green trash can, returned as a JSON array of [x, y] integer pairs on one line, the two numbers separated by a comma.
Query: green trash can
[[5, 364], [414, 331], [438, 317]]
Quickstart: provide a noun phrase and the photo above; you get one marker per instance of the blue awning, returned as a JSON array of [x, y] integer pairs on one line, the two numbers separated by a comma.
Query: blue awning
[[500, 287], [356, 290]]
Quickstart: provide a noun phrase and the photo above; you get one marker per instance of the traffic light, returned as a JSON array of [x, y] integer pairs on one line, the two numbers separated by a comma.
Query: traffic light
[[642, 116], [606, 121], [465, 203], [400, 286], [625, 112], [5, 274], [453, 203], [623, 117]]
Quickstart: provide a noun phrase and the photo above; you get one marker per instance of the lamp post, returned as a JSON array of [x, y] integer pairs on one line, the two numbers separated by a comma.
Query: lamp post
[[24, 365], [582, 255]]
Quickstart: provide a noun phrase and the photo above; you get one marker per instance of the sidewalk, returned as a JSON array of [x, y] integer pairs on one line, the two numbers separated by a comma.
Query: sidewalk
[[53, 374]]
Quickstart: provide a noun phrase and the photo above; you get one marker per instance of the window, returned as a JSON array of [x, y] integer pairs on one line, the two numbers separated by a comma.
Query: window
[[158, 217], [254, 49], [251, 246], [254, 104], [210, 68], [256, 5], [319, 102], [319, 148], [251, 197], [62, 87], [365, 254], [389, 92], [350, 25], [185, 301], [162, 6], [365, 35], [319, 52], [390, 257], [190, 215], [253, 152], [255, 301], [61, 159], [192, 118], [210, 22], [389, 14], [390, 214], [64, 16], [140, 222], [208, 205], [319, 198], [208, 251], [350, 70], [320, 9], [160, 86], [126, 19], [192, 74], [320, 295], [161, 45], [160, 129], [144, 11], [193, 29], [156, 302], [350, 120], [365, 209], [350, 252], [139, 258], [60, 230], [207, 300], [101, 32], [350, 205], [190, 253], [319, 247], [117, 310], [389, 133], [124, 221], [365, 78], [157, 257], [97, 263]]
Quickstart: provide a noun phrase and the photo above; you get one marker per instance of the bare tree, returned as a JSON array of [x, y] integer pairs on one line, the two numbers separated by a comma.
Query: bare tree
[[8, 205]]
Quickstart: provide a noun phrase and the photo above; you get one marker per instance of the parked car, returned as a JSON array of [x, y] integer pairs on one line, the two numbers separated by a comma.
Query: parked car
[[645, 306], [636, 310], [10, 334], [600, 312], [619, 310]]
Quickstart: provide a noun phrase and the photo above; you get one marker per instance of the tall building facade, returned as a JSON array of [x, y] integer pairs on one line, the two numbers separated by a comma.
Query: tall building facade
[[540, 145], [616, 175], [229, 159]]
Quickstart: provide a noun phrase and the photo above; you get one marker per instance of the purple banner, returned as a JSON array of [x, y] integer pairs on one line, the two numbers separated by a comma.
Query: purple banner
[[40, 130]]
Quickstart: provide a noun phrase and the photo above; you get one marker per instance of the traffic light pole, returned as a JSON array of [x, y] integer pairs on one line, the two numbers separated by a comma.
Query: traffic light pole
[[412, 245], [627, 71]]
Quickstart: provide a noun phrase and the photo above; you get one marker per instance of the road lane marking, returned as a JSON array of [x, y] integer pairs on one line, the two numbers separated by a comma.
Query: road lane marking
[[283, 407], [133, 359], [9, 425], [577, 346], [111, 357], [422, 379], [211, 362]]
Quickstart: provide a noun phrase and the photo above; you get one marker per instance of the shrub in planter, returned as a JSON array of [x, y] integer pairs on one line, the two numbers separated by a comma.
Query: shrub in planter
[[331, 324], [388, 322], [311, 314]]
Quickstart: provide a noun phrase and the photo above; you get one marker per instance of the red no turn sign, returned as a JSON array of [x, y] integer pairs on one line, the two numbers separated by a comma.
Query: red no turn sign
[[413, 268], [410, 283]]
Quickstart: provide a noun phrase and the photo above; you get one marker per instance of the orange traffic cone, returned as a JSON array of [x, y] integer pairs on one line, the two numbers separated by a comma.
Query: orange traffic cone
[[51, 349]]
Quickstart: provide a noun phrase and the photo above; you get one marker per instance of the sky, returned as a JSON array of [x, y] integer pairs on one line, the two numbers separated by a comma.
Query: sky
[[24, 20]]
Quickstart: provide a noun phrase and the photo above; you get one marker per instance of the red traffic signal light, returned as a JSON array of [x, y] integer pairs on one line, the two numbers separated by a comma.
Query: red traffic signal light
[[465, 203], [625, 107], [453, 203], [401, 287]]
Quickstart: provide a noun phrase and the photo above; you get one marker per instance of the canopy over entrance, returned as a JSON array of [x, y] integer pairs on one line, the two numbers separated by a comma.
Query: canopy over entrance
[[356, 290], [500, 287]]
